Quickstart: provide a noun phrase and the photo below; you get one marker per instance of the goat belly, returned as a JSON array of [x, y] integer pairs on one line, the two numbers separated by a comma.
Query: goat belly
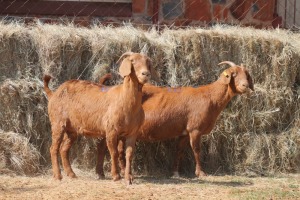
[[90, 133]]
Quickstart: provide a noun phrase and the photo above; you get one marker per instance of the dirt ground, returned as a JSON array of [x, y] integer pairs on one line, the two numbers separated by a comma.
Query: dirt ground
[[86, 186]]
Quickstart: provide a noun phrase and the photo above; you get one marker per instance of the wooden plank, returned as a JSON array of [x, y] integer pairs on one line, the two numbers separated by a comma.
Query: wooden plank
[[107, 1], [65, 8]]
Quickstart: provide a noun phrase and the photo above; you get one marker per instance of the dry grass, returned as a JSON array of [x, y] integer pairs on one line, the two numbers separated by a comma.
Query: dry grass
[[147, 187], [17, 154], [257, 133]]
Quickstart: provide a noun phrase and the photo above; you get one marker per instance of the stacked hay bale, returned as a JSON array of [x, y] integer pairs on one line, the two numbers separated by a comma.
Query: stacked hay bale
[[256, 134], [17, 154]]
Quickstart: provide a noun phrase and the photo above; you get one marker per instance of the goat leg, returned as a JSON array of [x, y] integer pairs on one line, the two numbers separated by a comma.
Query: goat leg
[[195, 137], [112, 144], [130, 145], [122, 160], [182, 143], [57, 136], [101, 150], [66, 144]]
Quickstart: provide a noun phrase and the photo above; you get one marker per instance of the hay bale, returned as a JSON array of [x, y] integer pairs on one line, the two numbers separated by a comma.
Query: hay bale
[[18, 154], [63, 53], [18, 54], [23, 107], [253, 127], [273, 60], [108, 44], [23, 110], [69, 52]]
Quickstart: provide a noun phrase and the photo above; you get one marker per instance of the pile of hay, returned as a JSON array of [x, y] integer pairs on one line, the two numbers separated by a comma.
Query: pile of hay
[[258, 133], [17, 154]]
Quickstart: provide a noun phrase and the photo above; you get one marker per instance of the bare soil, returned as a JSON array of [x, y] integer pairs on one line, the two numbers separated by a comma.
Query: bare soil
[[86, 186]]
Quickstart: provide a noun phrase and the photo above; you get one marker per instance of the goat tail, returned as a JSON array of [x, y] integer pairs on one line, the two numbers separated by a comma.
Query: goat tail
[[46, 87], [104, 78]]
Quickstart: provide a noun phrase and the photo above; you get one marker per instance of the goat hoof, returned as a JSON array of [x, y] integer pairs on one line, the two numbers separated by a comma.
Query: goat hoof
[[57, 177], [117, 177], [129, 180], [101, 176], [72, 175], [200, 174], [122, 172], [175, 175]]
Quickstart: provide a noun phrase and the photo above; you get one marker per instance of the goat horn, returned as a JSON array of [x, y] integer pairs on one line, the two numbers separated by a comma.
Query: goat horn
[[242, 66], [232, 64], [124, 55]]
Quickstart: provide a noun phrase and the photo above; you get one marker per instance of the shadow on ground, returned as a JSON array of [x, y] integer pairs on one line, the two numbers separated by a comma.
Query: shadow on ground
[[206, 180]]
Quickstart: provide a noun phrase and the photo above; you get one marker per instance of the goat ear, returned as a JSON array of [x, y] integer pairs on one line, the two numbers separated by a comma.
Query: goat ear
[[125, 67], [250, 81], [154, 74], [226, 76]]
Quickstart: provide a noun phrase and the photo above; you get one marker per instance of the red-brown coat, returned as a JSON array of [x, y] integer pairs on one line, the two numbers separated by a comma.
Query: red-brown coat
[[80, 107], [186, 112]]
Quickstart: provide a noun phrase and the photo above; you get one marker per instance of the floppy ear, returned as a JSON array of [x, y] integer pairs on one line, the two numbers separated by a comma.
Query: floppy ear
[[250, 81], [154, 74], [125, 67]]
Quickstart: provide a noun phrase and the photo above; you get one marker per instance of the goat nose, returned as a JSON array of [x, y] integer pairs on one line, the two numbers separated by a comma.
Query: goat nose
[[146, 73], [246, 85]]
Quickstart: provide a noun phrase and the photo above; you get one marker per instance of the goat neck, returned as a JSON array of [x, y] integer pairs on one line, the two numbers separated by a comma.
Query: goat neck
[[220, 94], [132, 92]]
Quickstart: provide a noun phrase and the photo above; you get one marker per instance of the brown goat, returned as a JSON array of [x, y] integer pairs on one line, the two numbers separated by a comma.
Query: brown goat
[[186, 113], [80, 107]]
